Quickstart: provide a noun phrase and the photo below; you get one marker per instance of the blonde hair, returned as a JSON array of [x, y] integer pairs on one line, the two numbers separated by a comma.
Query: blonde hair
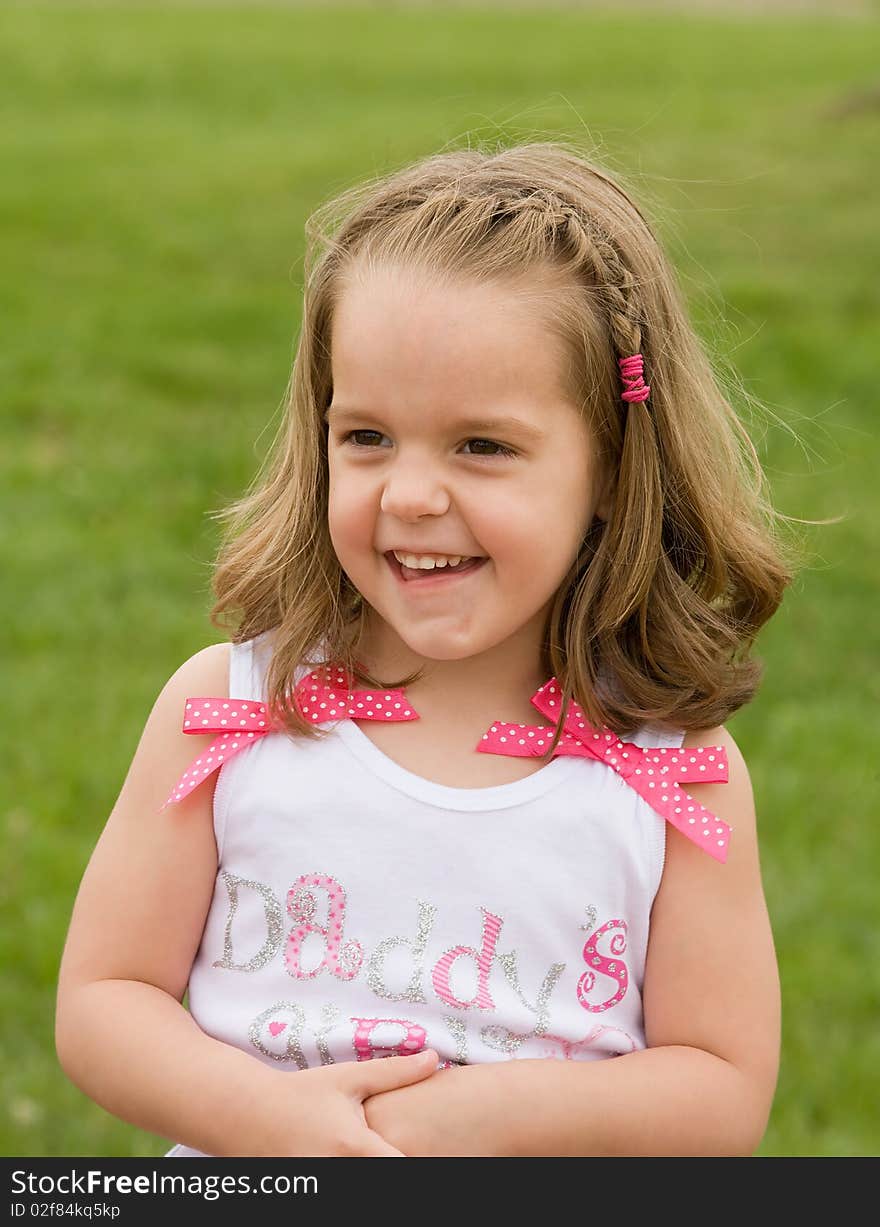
[[656, 615]]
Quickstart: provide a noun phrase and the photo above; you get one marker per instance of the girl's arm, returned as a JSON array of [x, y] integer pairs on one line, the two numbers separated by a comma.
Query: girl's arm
[[121, 1032], [705, 1084]]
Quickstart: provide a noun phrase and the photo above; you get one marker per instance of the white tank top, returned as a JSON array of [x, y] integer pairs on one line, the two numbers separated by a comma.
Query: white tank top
[[362, 911]]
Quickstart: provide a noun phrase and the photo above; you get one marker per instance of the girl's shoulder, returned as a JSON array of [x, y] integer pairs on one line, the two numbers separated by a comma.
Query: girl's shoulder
[[140, 909], [734, 802], [207, 668]]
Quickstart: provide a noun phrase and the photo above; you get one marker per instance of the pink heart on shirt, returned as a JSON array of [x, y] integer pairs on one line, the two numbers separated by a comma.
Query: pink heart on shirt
[[277, 1028]]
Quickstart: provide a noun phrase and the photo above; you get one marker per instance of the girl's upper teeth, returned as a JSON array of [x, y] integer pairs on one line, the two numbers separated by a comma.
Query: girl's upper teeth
[[427, 561]]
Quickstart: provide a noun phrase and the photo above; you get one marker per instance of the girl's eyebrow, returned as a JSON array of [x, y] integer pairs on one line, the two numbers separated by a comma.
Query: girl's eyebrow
[[517, 425]]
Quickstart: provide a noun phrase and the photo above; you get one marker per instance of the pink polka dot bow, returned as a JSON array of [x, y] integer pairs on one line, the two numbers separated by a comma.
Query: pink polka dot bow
[[238, 723], [654, 772]]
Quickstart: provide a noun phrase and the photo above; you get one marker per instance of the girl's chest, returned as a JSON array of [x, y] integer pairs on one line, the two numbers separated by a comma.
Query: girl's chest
[[447, 755]]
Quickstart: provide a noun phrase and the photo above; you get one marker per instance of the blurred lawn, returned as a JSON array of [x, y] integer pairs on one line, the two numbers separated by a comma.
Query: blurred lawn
[[157, 168]]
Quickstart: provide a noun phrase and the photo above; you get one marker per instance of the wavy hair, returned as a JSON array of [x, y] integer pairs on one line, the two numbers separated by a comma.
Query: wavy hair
[[657, 614]]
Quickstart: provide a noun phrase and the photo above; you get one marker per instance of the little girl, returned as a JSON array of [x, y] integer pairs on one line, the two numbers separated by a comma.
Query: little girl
[[459, 794]]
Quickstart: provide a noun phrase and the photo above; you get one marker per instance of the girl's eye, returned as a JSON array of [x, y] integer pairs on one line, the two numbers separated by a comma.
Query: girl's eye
[[502, 450]]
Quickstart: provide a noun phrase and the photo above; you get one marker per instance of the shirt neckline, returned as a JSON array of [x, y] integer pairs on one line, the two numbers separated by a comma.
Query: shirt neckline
[[495, 796]]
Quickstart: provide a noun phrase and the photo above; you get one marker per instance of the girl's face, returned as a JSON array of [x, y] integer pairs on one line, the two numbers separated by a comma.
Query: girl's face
[[425, 458]]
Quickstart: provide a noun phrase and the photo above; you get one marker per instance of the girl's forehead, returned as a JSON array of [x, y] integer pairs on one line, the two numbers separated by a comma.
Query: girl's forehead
[[474, 339], [409, 288]]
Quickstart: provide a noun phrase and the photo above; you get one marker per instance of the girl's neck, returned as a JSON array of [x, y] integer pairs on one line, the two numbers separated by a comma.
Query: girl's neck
[[495, 681]]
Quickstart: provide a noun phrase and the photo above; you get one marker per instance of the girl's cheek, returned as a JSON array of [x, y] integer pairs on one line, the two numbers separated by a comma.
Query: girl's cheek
[[349, 522]]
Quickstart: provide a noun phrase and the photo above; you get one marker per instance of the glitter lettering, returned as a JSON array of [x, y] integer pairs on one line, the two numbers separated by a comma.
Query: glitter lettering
[[483, 959], [570, 1048], [502, 1038], [375, 977], [596, 962], [342, 961], [413, 1039], [277, 1031], [274, 925]]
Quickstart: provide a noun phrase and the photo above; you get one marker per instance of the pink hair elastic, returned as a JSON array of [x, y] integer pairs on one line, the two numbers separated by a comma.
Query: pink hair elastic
[[631, 373]]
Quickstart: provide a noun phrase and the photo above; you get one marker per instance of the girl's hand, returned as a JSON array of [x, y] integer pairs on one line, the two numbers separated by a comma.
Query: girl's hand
[[465, 1110], [319, 1112]]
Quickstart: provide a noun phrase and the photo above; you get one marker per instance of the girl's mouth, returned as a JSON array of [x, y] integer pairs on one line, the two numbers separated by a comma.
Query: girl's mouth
[[434, 577]]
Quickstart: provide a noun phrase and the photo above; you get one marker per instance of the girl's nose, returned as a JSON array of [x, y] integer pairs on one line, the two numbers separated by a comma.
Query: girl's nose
[[414, 490]]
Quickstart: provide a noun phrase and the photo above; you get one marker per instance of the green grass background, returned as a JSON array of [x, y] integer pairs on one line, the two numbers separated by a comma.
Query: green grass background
[[158, 164]]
